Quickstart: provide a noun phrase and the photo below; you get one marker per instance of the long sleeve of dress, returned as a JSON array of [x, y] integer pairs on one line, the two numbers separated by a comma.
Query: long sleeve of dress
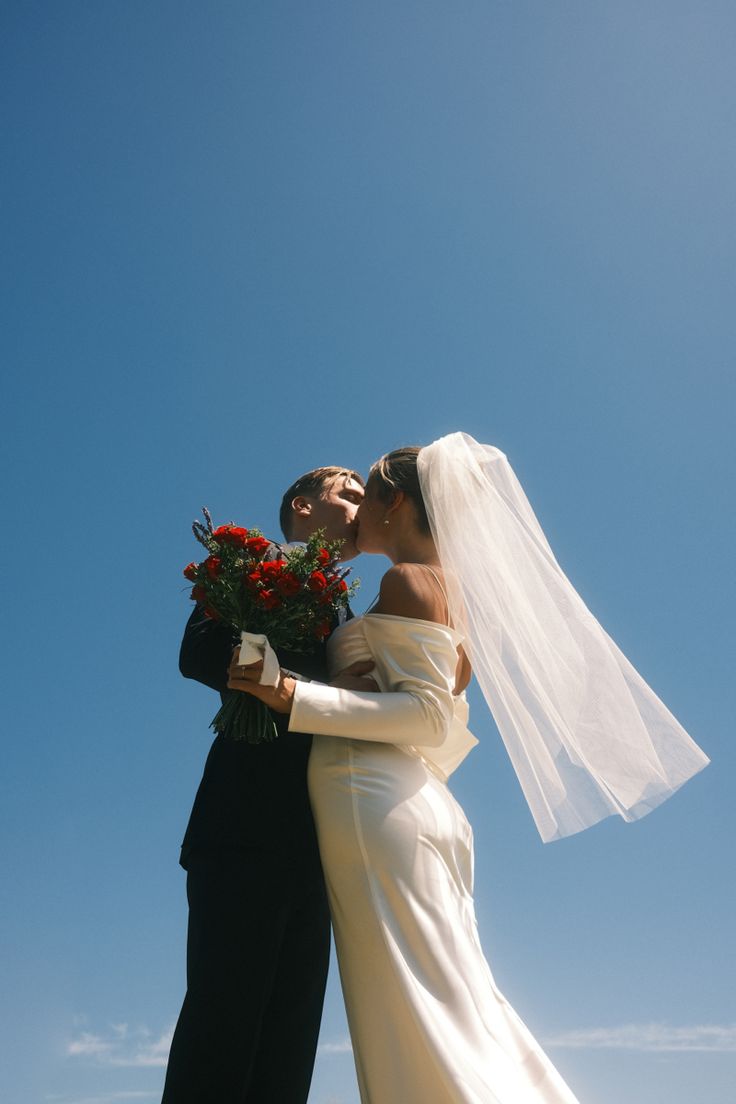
[[415, 707]]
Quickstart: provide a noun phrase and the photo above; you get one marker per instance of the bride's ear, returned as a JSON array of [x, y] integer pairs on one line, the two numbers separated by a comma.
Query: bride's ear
[[396, 501]]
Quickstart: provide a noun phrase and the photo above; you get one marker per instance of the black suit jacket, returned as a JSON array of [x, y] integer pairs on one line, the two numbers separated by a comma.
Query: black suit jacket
[[251, 795]]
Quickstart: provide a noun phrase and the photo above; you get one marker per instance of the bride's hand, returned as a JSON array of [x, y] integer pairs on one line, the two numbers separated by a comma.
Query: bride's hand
[[356, 677], [279, 697]]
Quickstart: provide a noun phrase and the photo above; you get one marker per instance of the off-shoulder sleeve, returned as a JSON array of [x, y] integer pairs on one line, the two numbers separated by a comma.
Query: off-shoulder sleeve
[[416, 666]]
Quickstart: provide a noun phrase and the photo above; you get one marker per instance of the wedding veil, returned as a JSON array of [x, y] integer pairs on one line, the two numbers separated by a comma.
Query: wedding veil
[[586, 735]]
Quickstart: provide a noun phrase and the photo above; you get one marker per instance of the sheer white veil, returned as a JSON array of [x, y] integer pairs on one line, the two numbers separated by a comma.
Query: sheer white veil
[[586, 735]]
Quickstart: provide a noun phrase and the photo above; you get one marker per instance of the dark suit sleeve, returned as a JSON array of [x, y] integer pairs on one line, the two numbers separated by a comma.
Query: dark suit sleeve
[[206, 650]]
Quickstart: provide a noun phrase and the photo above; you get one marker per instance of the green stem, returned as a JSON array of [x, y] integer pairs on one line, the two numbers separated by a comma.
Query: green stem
[[242, 717]]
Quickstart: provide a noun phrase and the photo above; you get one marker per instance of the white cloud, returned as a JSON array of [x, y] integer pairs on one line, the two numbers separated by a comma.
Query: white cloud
[[651, 1037], [90, 1045], [342, 1046], [123, 1046]]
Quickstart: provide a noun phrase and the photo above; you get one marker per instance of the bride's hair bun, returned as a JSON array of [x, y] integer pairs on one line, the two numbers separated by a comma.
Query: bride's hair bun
[[397, 471]]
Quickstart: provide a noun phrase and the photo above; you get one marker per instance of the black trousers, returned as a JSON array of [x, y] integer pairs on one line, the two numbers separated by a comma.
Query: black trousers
[[257, 956]]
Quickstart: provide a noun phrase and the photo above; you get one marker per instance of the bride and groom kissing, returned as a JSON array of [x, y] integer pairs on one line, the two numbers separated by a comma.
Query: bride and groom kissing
[[348, 812]]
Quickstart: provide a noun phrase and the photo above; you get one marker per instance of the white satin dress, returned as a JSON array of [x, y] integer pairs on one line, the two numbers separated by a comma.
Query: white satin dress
[[428, 1024]]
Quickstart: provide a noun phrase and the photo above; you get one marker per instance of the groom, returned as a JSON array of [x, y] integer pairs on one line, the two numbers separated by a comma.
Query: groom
[[258, 939]]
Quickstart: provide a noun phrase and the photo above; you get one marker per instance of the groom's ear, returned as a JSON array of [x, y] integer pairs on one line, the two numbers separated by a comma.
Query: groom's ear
[[301, 506]]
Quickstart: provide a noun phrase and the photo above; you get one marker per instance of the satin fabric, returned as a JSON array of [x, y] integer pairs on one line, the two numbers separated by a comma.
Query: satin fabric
[[416, 661], [427, 1021]]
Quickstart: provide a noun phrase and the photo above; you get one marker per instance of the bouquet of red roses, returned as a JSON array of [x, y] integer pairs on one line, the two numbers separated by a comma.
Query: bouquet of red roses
[[294, 600]]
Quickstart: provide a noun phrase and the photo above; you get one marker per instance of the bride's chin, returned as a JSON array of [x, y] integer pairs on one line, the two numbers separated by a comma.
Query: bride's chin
[[369, 546]]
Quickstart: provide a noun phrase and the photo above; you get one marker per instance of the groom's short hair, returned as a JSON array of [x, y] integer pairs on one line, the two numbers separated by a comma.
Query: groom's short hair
[[312, 484]]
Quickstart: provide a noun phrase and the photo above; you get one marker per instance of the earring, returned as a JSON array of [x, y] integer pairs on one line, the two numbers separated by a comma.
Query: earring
[[386, 522]]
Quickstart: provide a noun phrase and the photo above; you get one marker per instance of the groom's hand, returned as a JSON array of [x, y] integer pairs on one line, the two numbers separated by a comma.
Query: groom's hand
[[251, 671], [245, 679]]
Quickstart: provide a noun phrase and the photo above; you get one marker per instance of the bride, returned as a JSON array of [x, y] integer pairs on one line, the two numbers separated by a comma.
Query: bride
[[472, 578]]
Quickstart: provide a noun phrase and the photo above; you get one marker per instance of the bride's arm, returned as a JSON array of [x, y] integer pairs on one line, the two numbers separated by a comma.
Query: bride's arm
[[419, 712], [420, 715]]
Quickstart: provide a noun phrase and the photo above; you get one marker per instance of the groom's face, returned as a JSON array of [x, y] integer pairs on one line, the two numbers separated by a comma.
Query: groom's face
[[334, 511]]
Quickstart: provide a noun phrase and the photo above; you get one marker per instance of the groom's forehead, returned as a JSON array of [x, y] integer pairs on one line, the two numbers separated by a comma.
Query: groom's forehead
[[344, 482]]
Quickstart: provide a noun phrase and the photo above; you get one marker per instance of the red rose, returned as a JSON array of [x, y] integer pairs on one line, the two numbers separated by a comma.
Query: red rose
[[198, 594], [341, 586], [288, 584], [212, 566], [269, 599], [272, 568], [256, 545], [324, 556], [237, 534], [231, 534], [322, 630], [252, 578], [190, 572], [317, 581]]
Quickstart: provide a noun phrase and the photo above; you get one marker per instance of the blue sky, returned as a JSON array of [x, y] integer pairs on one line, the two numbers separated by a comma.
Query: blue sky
[[248, 239]]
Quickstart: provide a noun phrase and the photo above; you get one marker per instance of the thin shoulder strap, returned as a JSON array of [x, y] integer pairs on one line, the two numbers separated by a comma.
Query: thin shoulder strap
[[441, 585]]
